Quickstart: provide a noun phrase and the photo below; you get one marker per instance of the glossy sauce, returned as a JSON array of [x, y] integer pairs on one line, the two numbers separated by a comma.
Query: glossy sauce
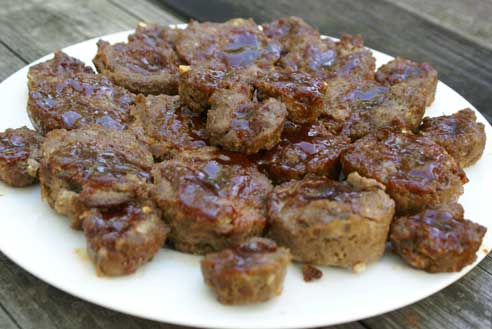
[[143, 59], [298, 87], [257, 245], [78, 101], [13, 147], [313, 148], [365, 96], [248, 255], [327, 190], [83, 163], [442, 227], [208, 187], [243, 47]]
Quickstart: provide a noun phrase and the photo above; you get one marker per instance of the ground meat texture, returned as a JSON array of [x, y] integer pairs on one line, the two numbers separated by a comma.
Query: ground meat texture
[[460, 134], [155, 34], [92, 167], [238, 122], [311, 273], [417, 172], [235, 43], [123, 238], [304, 50], [371, 106], [303, 149], [71, 101], [437, 240], [327, 222], [404, 71], [312, 55], [59, 66], [302, 47], [197, 84], [301, 93], [337, 105], [19, 156], [289, 31], [353, 61], [146, 64], [168, 127], [211, 199], [252, 272]]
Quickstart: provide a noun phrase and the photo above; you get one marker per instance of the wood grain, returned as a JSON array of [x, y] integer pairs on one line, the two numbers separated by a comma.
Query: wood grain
[[469, 18], [9, 63], [34, 28], [148, 11], [465, 304], [7, 322]]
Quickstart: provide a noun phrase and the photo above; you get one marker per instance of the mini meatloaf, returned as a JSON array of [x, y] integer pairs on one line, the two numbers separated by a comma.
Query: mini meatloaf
[[437, 240], [92, 167], [302, 47], [304, 50], [66, 96], [211, 199], [252, 272], [301, 93], [166, 126], [404, 71], [146, 64], [417, 172], [326, 222], [197, 84], [121, 239], [367, 106], [19, 156], [460, 134], [235, 43], [303, 149], [238, 122], [353, 61]]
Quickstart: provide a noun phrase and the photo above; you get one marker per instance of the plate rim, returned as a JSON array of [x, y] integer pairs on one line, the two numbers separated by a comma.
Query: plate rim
[[204, 324]]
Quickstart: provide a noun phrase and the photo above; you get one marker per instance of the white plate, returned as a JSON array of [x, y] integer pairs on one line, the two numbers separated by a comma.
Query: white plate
[[170, 288]]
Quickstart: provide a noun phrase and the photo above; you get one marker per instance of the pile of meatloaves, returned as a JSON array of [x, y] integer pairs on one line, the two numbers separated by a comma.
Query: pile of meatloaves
[[213, 136]]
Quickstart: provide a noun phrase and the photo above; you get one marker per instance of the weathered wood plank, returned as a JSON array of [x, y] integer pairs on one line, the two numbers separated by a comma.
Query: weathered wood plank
[[486, 264], [148, 11], [469, 18], [33, 28], [465, 304], [6, 322], [9, 63], [462, 63]]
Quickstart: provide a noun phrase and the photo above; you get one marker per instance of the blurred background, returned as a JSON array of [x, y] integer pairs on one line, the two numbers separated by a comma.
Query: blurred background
[[455, 36]]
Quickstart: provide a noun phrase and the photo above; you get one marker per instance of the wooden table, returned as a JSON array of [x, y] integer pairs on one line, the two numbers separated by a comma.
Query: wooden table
[[454, 35]]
